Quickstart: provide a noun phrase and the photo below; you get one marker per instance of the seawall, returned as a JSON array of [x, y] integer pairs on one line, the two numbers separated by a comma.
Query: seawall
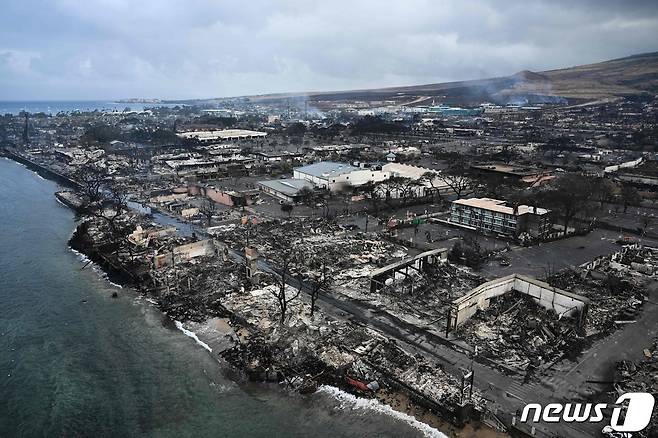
[[41, 170]]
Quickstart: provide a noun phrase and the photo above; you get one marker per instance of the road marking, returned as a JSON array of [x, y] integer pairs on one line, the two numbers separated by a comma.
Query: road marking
[[509, 394]]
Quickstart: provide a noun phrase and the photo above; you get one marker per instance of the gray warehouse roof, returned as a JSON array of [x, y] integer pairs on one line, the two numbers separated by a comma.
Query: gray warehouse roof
[[289, 187], [326, 169]]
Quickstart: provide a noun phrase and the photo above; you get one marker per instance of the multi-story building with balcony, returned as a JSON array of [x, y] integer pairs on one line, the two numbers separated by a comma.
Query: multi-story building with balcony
[[495, 216]]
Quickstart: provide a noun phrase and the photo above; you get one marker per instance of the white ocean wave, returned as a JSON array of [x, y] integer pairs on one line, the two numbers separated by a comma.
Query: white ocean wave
[[192, 335], [80, 256], [147, 299], [97, 269], [350, 401]]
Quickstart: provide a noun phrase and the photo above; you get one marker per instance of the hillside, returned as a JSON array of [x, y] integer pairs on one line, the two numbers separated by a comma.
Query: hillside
[[631, 75]]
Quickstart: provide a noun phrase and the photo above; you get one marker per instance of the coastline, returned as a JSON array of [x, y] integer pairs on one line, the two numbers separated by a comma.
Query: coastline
[[214, 336]]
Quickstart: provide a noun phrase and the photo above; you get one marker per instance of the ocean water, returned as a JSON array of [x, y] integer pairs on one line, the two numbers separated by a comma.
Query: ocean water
[[55, 106], [75, 362]]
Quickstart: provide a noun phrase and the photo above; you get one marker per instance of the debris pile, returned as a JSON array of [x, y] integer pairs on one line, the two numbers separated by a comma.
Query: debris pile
[[641, 377], [415, 296], [347, 256], [519, 333], [614, 298], [106, 243], [190, 288], [635, 259], [434, 287], [419, 374], [194, 290]]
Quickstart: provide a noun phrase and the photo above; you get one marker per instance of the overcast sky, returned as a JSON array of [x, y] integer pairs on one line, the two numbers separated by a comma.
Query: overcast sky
[[101, 49]]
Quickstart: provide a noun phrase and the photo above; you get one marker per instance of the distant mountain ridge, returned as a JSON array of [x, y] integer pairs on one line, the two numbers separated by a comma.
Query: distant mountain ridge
[[632, 75], [618, 77]]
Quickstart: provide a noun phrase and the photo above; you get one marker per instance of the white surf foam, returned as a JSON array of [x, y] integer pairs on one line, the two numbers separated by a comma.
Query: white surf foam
[[350, 401], [147, 299], [83, 258], [192, 335], [97, 269]]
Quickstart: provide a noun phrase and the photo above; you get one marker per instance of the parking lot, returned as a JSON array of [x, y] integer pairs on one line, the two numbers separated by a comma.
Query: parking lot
[[537, 260]]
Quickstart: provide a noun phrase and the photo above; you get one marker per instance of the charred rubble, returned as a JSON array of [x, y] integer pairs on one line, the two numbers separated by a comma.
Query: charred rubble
[[307, 352], [194, 280], [190, 288], [640, 376], [614, 284], [518, 332], [419, 296]]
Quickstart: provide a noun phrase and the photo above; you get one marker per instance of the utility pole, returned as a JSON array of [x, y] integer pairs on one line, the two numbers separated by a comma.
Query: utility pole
[[467, 386], [448, 322], [26, 138]]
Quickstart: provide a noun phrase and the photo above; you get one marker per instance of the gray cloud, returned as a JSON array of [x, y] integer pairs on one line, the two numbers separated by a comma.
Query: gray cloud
[[91, 49]]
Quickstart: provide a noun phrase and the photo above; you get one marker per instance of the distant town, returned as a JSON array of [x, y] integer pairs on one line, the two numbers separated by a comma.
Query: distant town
[[454, 258]]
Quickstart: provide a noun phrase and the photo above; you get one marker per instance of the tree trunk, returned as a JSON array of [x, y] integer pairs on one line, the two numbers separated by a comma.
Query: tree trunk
[[313, 298], [283, 310], [566, 226]]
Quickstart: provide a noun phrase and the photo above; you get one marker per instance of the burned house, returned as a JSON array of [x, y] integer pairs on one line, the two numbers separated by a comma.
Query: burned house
[[217, 136], [184, 252], [230, 198], [277, 157], [526, 175], [547, 296]]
